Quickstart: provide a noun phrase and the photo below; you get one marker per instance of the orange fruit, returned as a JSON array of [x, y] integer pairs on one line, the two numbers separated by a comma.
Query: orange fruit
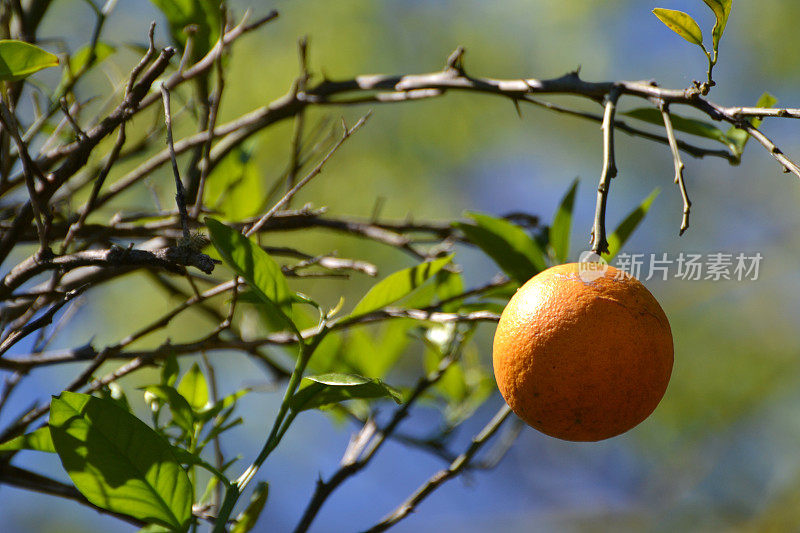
[[583, 355]]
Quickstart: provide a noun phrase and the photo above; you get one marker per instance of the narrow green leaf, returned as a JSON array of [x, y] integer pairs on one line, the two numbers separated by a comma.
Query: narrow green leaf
[[194, 388], [235, 187], [516, 253], [722, 10], [180, 409], [188, 458], [681, 23], [247, 520], [80, 60], [250, 261], [226, 402], [562, 223], [119, 463], [169, 372], [328, 389], [691, 126], [739, 137], [617, 239], [19, 60], [39, 440], [398, 285]]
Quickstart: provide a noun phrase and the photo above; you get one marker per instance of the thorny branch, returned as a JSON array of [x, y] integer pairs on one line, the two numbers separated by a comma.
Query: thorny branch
[[90, 253]]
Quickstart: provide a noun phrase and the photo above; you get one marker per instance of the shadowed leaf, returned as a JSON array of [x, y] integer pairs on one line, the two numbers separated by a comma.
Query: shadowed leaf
[[329, 389], [118, 462]]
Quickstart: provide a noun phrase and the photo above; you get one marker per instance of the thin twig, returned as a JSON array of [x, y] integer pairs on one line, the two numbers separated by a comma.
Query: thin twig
[[180, 196], [347, 133], [679, 167], [461, 462], [599, 241]]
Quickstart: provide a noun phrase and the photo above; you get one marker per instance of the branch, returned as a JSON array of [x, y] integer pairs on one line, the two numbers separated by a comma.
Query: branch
[[440, 477], [679, 166], [599, 242]]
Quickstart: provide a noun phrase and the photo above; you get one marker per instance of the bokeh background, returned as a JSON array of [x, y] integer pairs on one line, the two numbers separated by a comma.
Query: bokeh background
[[720, 452]]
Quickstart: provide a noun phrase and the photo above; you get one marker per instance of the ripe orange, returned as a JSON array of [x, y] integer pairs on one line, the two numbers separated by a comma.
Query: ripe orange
[[583, 360]]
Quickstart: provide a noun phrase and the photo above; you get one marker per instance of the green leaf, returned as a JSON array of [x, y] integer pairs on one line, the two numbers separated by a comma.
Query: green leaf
[[169, 372], [681, 23], [194, 388], [235, 187], [562, 223], [226, 402], [19, 60], [204, 14], [722, 10], [374, 355], [39, 440], [188, 458], [739, 137], [119, 463], [330, 389], [180, 409], [79, 61], [250, 261], [617, 239], [686, 125], [247, 520], [507, 244], [398, 285]]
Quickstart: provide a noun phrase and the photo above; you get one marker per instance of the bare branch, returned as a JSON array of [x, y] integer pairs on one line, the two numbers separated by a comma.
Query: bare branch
[[679, 166], [443, 475], [599, 242]]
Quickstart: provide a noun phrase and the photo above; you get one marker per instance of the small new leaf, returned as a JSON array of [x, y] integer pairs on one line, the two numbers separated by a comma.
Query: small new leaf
[[722, 10], [681, 23]]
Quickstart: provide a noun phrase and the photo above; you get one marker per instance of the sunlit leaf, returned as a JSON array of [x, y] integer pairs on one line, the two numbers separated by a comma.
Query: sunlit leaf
[[250, 261], [398, 285], [562, 224], [119, 463], [247, 520], [19, 60], [617, 239], [39, 440], [681, 23], [194, 388], [516, 253], [327, 389], [722, 10]]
